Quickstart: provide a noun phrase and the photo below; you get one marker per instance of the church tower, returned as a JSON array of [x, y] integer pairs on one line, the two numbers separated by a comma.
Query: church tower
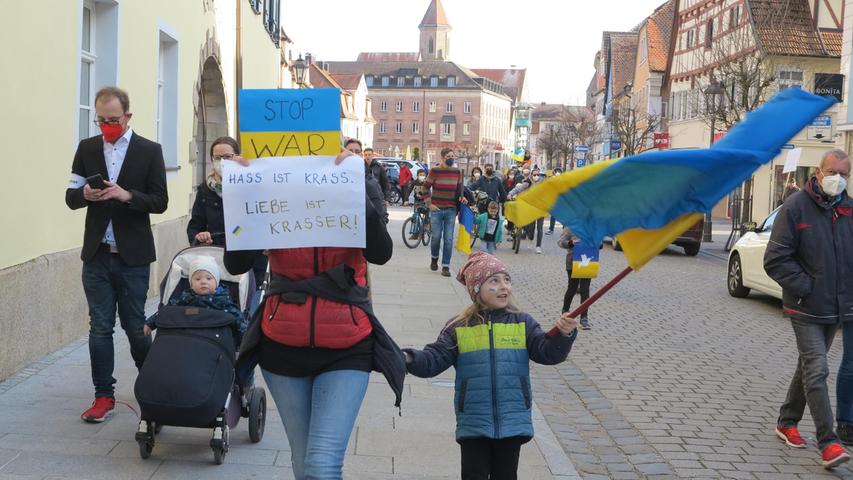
[[435, 33]]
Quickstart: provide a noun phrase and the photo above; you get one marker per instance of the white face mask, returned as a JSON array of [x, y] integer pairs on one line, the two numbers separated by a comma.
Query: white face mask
[[833, 185]]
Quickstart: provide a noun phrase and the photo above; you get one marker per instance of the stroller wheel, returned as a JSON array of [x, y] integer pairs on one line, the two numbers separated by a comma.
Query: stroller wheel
[[145, 438], [219, 443], [145, 449], [257, 414]]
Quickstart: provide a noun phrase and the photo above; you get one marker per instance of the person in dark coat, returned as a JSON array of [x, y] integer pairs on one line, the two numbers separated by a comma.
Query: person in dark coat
[[207, 223], [376, 168], [810, 255]]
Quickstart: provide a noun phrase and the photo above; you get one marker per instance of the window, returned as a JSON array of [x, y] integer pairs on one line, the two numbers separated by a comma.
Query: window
[[256, 5], [98, 60], [449, 107], [431, 107], [789, 78], [644, 49], [382, 127], [734, 17], [451, 81], [433, 81], [416, 107], [383, 106], [369, 80], [709, 33], [466, 107], [385, 81], [466, 128], [272, 15], [446, 129], [416, 127], [399, 128], [432, 128], [690, 34], [401, 81], [431, 46], [417, 81], [167, 96], [399, 106]]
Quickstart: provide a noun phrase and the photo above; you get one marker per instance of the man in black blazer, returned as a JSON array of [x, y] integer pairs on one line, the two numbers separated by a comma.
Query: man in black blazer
[[118, 245]]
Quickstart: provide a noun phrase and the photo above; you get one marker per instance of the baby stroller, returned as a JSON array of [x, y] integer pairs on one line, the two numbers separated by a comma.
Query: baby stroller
[[188, 379]]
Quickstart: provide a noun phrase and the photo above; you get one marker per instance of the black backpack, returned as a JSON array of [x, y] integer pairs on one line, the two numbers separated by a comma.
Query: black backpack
[[189, 370]]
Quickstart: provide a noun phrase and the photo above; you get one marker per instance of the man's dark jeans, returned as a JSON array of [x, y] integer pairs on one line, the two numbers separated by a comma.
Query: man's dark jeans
[[809, 383], [844, 382], [110, 283]]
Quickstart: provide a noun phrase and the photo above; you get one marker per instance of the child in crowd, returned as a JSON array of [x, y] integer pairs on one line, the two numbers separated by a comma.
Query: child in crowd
[[489, 227], [491, 344], [205, 292], [576, 285]]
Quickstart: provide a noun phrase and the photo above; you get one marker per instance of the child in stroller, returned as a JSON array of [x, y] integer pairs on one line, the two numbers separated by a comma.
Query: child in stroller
[[188, 378], [206, 292]]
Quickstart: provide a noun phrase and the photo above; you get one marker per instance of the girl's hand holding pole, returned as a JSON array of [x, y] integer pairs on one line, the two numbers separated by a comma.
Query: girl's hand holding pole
[[566, 324]]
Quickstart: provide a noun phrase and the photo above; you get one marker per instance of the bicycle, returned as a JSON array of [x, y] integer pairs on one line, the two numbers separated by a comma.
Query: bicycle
[[416, 229]]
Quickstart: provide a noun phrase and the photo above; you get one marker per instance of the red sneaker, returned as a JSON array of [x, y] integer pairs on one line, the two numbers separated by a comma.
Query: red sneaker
[[791, 436], [834, 455], [101, 408]]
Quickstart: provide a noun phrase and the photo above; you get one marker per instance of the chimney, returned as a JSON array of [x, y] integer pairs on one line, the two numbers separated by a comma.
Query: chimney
[[307, 59]]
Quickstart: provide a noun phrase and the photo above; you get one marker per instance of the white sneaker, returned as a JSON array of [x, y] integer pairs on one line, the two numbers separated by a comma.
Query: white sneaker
[[538, 249]]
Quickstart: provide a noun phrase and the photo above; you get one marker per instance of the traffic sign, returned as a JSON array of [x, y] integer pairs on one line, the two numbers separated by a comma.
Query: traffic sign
[[615, 145], [580, 163], [819, 133], [581, 148], [822, 121]]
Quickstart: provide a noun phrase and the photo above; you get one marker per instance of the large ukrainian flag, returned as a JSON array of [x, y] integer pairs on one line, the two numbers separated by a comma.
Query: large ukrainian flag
[[651, 198]]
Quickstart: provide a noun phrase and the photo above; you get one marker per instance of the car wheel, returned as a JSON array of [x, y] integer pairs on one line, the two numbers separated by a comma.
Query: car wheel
[[735, 278], [615, 244], [691, 250]]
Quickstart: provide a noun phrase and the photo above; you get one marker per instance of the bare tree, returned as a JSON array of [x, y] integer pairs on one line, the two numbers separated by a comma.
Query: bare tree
[[633, 130], [574, 126]]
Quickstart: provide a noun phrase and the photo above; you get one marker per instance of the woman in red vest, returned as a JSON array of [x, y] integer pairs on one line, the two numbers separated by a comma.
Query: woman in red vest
[[316, 340]]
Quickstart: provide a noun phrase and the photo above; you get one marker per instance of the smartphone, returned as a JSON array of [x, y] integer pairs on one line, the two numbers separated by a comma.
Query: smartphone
[[96, 181]]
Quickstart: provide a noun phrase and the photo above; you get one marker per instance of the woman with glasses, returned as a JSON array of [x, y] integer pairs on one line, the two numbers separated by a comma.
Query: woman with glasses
[[207, 225]]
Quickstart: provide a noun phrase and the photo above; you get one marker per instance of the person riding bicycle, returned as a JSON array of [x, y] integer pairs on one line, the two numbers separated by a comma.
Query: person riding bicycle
[[418, 202]]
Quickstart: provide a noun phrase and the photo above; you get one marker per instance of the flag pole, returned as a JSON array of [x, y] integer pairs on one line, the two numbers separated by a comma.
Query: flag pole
[[594, 297]]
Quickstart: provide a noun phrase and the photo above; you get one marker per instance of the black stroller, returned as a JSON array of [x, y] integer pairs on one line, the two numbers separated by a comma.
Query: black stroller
[[188, 379]]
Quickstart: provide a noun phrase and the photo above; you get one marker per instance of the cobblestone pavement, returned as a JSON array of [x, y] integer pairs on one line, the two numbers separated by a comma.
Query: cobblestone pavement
[[676, 379]]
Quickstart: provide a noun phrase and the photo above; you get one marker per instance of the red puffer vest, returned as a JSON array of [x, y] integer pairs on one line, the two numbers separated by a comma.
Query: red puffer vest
[[318, 322]]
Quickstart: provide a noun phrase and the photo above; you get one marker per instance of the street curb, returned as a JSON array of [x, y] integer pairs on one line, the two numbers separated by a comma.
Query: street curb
[[558, 462]]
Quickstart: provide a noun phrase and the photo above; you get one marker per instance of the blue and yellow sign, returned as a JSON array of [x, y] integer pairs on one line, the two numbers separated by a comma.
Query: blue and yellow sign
[[290, 122]]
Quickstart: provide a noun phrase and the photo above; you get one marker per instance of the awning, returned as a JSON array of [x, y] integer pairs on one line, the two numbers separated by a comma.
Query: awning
[[448, 119]]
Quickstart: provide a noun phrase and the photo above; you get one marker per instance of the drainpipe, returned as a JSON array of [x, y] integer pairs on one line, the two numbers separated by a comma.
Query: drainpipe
[[238, 69]]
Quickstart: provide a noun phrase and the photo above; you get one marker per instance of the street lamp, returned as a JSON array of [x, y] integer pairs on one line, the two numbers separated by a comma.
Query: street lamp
[[711, 92], [299, 70]]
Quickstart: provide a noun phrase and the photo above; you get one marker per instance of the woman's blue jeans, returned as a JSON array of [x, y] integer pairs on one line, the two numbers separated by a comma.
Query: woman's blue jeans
[[318, 414]]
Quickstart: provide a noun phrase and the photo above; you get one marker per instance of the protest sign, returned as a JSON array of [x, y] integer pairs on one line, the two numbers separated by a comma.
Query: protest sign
[[585, 261], [292, 194], [290, 122], [289, 202]]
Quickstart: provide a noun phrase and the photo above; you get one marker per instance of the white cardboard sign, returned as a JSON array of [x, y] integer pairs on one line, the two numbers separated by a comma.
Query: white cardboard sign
[[291, 202], [792, 160]]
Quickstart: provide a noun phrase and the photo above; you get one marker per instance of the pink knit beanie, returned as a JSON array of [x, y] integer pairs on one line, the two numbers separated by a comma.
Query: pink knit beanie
[[479, 267]]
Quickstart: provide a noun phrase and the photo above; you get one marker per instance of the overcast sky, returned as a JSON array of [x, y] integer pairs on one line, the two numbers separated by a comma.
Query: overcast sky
[[555, 40]]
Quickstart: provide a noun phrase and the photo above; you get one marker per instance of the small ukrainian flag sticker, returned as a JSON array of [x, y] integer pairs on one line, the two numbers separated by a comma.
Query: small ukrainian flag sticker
[[237, 230]]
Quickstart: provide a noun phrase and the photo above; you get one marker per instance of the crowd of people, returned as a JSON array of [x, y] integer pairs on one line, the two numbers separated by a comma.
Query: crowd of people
[[316, 336]]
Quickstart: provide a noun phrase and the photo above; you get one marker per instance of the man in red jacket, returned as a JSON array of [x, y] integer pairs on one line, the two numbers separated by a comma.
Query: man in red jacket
[[405, 181]]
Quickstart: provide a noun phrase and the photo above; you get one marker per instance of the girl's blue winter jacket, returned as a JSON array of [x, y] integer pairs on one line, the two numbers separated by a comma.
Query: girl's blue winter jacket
[[493, 396]]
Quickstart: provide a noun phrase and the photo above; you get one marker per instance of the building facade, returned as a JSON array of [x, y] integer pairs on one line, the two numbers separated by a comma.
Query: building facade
[[181, 63], [423, 102], [790, 43], [356, 111]]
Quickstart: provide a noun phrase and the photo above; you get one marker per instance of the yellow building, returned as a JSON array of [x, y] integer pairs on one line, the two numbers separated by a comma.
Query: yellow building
[[182, 63]]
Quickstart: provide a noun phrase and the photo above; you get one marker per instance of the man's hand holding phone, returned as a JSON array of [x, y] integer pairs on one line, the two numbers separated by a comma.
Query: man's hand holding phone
[[98, 190]]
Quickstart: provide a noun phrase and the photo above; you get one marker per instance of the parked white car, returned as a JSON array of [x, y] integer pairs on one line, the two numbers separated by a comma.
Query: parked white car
[[746, 262]]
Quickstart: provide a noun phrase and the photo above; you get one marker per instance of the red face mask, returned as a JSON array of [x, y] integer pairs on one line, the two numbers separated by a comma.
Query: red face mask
[[111, 132]]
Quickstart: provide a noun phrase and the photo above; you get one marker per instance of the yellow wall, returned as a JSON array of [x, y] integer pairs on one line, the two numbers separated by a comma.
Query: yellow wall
[[41, 107]]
